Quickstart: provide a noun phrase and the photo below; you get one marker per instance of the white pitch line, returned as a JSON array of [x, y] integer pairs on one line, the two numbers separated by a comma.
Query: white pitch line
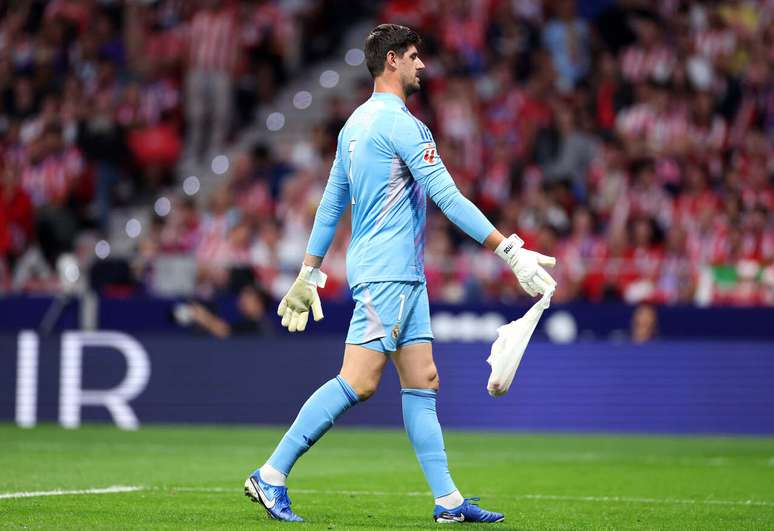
[[307, 491], [626, 499], [106, 490], [362, 492], [619, 499]]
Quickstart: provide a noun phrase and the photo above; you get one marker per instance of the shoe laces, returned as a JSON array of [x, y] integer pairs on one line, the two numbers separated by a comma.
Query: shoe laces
[[283, 499], [474, 507], [280, 494]]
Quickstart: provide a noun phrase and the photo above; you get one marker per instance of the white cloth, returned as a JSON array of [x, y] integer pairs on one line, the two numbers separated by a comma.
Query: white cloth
[[508, 348]]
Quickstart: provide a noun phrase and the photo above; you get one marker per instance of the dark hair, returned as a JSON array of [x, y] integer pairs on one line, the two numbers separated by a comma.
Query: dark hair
[[384, 38]]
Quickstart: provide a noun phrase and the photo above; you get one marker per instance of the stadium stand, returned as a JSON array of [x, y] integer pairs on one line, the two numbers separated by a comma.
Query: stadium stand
[[630, 139]]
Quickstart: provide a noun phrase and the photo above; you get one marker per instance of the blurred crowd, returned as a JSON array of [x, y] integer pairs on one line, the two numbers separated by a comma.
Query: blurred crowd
[[631, 139], [104, 104]]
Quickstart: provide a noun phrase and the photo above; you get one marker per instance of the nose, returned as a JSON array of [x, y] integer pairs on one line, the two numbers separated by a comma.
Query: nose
[[420, 65]]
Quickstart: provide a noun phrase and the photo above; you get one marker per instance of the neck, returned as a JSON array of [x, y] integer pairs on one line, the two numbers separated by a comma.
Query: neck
[[391, 86]]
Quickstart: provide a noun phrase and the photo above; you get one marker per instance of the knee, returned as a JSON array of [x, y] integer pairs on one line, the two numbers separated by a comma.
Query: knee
[[365, 389], [433, 382], [428, 379]]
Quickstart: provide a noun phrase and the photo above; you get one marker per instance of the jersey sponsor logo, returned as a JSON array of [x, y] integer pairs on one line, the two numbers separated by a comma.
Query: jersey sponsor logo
[[430, 154]]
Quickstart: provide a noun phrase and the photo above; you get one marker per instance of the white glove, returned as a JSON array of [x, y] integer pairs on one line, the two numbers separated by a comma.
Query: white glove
[[302, 295], [508, 348], [527, 265]]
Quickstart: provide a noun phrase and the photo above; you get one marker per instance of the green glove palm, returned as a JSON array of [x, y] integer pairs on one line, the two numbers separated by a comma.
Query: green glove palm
[[302, 295]]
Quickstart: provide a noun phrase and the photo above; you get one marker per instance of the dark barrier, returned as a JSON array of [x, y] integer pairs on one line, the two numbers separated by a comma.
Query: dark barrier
[[675, 387], [589, 321]]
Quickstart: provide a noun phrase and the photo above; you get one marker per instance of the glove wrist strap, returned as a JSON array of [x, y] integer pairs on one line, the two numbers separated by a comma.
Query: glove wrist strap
[[313, 276], [508, 247]]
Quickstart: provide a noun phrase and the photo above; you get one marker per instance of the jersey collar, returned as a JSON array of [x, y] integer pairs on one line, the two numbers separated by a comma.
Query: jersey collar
[[387, 96]]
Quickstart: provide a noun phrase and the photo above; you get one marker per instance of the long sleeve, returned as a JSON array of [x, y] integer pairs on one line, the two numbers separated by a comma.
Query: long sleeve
[[332, 205], [415, 146]]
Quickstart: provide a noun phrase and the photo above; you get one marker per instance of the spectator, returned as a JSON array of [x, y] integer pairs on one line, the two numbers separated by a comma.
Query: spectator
[[181, 231], [567, 38], [103, 142], [251, 316], [215, 246], [565, 151], [49, 175], [649, 58], [213, 47], [678, 274], [644, 324], [16, 216]]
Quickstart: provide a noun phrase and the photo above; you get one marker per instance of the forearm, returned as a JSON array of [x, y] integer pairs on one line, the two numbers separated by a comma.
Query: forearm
[[332, 205], [464, 214], [323, 231], [210, 322]]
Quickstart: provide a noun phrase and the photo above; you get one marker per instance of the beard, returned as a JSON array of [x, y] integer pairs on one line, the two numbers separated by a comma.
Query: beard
[[410, 87]]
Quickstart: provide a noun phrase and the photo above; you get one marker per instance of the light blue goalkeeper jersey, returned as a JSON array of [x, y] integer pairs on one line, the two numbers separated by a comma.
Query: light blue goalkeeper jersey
[[386, 163]]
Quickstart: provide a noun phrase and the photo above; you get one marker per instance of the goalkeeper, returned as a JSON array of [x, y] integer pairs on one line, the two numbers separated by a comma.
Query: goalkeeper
[[386, 163]]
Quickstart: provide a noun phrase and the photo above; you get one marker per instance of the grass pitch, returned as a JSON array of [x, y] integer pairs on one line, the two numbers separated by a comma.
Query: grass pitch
[[191, 478]]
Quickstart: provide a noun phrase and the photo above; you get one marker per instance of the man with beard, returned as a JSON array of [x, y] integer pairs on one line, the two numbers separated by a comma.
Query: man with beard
[[386, 162]]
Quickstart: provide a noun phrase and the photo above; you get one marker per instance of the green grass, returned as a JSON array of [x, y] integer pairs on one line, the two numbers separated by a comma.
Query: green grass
[[368, 479]]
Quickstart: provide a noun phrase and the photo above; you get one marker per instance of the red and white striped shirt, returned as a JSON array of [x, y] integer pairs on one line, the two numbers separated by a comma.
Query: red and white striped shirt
[[715, 43], [639, 64], [213, 40], [148, 107], [636, 120], [214, 237], [709, 136], [659, 129], [50, 180]]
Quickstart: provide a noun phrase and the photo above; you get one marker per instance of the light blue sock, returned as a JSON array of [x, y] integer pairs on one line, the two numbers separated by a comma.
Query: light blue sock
[[424, 432], [316, 417]]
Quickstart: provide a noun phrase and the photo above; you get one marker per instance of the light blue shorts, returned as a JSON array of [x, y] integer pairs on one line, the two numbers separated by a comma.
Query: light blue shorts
[[389, 315]]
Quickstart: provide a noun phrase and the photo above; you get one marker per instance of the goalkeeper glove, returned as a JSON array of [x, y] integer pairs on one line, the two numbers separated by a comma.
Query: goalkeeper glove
[[527, 265], [302, 295]]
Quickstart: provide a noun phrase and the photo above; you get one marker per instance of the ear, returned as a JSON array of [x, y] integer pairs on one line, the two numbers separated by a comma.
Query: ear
[[392, 59]]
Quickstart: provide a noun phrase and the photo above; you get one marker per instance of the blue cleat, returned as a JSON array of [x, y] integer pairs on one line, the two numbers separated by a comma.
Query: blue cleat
[[274, 499], [467, 512]]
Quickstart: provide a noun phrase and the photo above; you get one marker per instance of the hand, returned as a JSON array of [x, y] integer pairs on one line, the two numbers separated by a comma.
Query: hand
[[302, 295], [527, 265]]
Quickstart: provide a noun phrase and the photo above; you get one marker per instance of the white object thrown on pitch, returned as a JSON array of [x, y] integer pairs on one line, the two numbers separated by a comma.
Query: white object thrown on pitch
[[508, 348]]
